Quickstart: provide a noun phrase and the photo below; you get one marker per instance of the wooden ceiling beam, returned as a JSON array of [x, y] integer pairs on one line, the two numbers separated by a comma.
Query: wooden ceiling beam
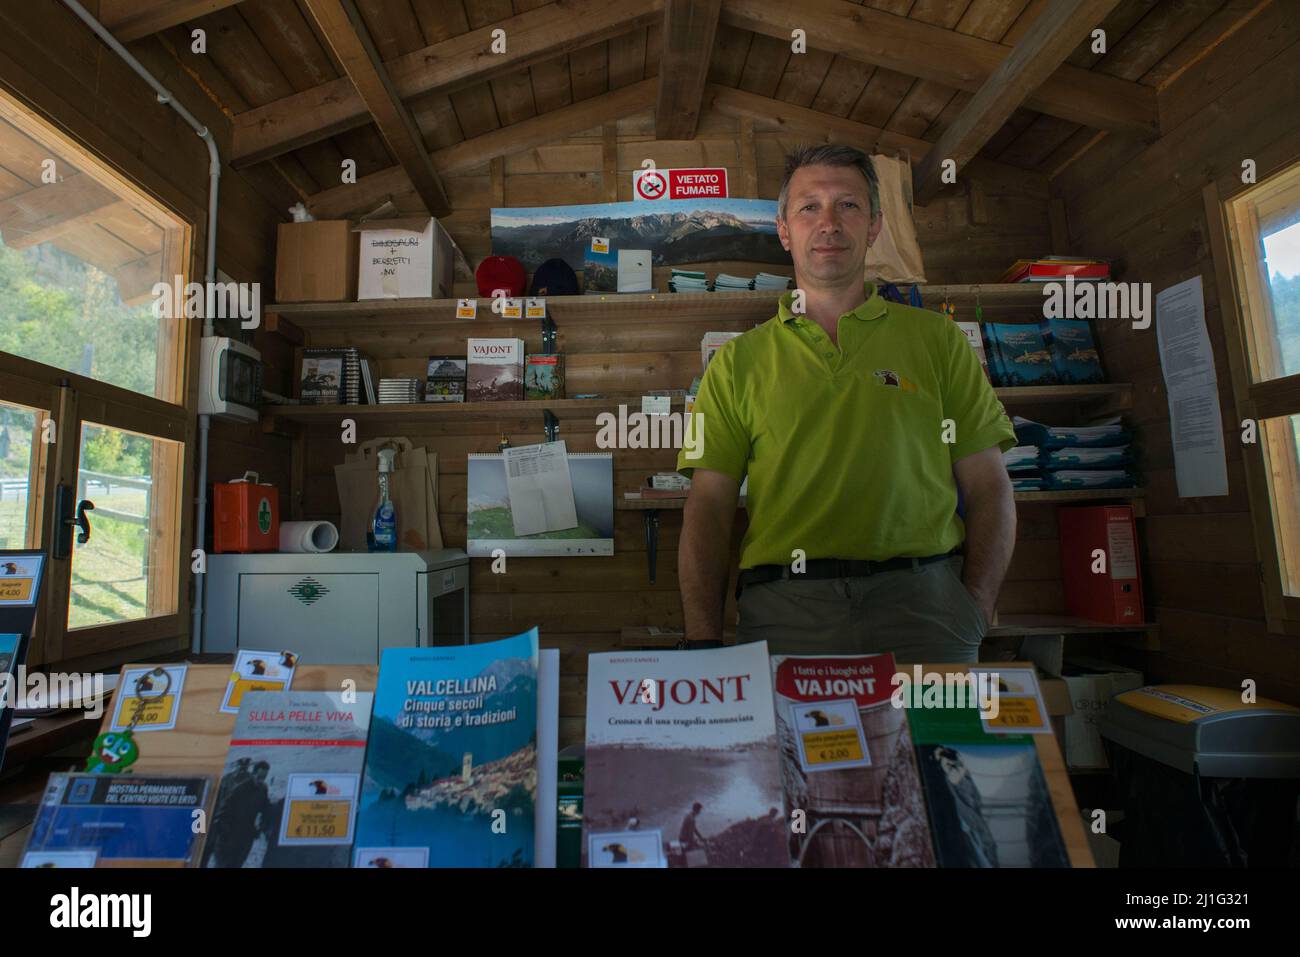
[[1057, 30], [813, 127], [964, 62], [531, 38], [130, 20], [40, 214], [370, 191], [341, 25], [689, 27]]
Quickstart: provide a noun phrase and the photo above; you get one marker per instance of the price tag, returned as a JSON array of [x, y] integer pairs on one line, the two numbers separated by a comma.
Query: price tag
[[159, 711], [512, 309], [1019, 702], [386, 857], [319, 809], [258, 671], [466, 308], [830, 735], [600, 244], [535, 308]]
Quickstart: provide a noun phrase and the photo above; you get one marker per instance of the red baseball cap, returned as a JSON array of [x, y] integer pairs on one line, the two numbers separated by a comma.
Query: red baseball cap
[[501, 272]]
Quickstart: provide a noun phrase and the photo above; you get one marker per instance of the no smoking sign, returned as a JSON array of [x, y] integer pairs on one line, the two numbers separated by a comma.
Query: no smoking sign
[[701, 183]]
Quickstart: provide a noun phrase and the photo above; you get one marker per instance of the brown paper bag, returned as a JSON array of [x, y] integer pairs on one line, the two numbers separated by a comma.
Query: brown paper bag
[[895, 256], [413, 487]]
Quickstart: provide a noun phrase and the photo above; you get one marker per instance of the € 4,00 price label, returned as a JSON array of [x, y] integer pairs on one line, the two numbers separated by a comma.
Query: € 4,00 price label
[[319, 809]]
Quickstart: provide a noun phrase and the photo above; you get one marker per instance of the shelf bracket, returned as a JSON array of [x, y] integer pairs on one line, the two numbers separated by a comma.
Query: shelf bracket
[[548, 333], [651, 517], [551, 424]]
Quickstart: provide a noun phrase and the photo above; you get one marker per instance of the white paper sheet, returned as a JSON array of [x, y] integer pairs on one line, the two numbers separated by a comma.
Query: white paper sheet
[[1187, 363], [540, 488]]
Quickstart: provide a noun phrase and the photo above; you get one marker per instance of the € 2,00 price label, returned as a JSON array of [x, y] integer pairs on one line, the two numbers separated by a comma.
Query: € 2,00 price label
[[832, 747]]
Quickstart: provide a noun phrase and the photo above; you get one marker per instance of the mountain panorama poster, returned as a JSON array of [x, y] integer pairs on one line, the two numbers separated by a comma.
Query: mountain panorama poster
[[675, 231]]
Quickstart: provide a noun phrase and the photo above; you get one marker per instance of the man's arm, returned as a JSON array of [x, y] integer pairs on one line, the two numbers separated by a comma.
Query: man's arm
[[990, 524], [704, 552]]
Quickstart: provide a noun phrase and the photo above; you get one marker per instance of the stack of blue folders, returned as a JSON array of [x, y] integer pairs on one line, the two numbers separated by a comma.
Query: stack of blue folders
[[1070, 456]]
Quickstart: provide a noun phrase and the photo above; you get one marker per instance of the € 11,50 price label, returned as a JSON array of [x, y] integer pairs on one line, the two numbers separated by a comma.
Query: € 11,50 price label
[[319, 809], [830, 736]]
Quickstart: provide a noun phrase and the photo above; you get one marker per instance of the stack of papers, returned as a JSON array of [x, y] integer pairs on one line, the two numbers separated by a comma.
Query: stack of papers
[[1108, 433], [685, 280], [767, 280], [726, 283], [1023, 458]]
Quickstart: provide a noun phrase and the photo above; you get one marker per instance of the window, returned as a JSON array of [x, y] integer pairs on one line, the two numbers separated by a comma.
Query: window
[[92, 392], [1255, 232]]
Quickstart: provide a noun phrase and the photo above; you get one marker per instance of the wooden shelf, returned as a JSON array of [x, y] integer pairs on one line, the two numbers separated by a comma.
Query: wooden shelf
[[1101, 398], [999, 298], [453, 411], [1022, 625], [1116, 394]]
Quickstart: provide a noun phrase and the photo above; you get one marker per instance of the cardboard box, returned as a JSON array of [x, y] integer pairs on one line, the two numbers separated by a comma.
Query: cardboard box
[[1092, 684], [404, 259], [316, 262]]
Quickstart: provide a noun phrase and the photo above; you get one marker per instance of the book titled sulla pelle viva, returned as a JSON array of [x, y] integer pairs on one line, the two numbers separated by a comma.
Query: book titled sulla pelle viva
[[451, 774], [847, 761], [682, 767], [289, 789], [494, 370]]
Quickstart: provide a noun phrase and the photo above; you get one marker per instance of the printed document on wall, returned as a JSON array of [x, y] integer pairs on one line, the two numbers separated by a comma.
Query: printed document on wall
[[540, 488], [1187, 363]]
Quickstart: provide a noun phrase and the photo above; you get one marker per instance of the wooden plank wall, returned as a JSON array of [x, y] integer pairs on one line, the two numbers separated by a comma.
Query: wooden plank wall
[[1143, 203], [52, 61], [580, 604]]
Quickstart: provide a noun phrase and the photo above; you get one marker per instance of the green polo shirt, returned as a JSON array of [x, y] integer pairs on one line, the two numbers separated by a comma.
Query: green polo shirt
[[846, 449]]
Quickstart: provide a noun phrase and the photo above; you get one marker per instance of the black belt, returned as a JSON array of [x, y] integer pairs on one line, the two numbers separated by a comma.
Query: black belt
[[829, 568]]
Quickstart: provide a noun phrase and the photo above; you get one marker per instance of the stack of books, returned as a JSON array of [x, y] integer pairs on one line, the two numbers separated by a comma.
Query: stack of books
[[1055, 269], [337, 376], [399, 391]]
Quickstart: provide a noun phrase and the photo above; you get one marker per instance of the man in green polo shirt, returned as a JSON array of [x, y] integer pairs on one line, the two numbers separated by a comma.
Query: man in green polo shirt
[[856, 421]]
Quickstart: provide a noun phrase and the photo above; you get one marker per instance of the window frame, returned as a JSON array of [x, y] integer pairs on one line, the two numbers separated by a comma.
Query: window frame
[[1249, 349], [74, 399]]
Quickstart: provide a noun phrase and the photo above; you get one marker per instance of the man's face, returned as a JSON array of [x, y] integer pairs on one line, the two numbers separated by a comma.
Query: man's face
[[827, 225]]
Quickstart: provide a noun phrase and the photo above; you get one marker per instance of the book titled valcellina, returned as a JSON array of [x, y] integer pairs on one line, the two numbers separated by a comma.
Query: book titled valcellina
[[847, 762], [451, 776], [682, 762]]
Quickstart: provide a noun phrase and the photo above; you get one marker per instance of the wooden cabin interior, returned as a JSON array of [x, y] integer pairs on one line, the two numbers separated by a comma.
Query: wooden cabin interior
[[1159, 136]]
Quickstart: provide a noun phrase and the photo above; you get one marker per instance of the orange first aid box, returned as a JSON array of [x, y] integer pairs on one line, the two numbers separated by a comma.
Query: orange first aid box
[[245, 516]]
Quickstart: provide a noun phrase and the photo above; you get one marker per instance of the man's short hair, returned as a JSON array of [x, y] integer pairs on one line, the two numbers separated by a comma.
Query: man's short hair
[[830, 154]]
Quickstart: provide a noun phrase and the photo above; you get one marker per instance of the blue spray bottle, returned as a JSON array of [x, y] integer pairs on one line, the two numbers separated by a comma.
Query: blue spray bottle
[[383, 527]]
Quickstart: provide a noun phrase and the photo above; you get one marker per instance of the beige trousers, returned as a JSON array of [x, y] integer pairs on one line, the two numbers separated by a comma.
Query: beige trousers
[[922, 614]]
